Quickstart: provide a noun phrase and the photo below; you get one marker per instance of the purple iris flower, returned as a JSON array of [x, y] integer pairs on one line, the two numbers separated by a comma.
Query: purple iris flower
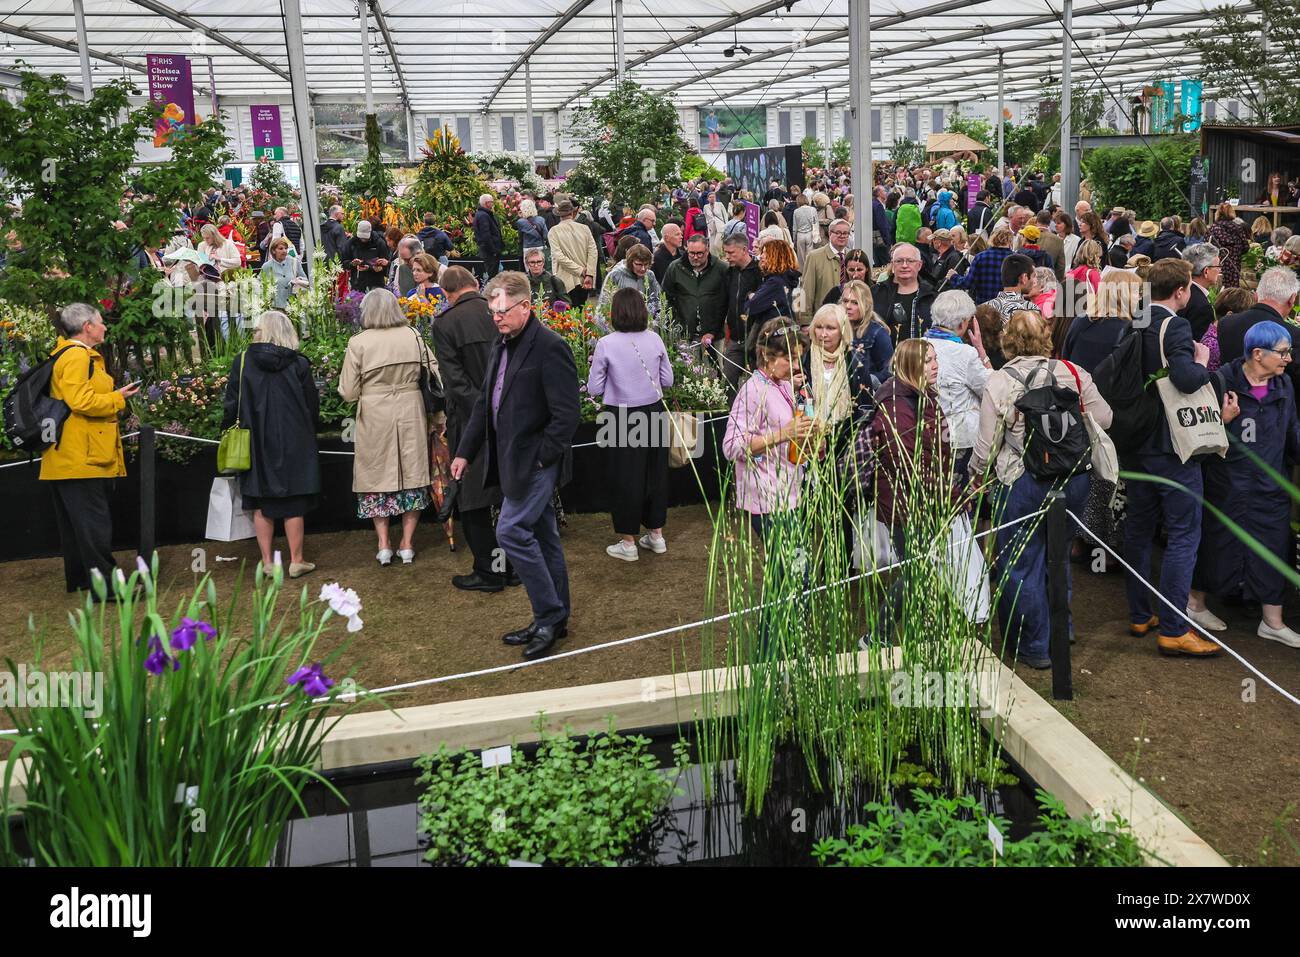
[[184, 637], [313, 682], [157, 661]]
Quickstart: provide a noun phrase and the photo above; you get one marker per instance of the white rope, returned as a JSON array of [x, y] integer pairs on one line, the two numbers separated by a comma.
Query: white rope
[[12, 465], [1182, 612], [515, 666]]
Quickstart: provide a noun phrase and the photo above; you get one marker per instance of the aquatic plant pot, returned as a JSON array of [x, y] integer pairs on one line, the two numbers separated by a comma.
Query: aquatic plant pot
[[1034, 736]]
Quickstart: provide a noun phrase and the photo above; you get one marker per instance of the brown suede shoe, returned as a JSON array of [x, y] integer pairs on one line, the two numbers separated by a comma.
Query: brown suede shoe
[[1141, 631], [1187, 644]]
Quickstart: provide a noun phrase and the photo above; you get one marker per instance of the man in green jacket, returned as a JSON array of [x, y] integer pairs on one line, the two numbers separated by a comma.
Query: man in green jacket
[[694, 287]]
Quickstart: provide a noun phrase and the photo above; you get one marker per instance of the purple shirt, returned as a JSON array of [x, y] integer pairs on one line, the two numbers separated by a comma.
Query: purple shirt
[[630, 369], [499, 384]]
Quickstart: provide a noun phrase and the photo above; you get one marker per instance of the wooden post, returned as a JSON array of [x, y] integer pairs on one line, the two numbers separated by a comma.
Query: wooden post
[[148, 492], [1058, 595]]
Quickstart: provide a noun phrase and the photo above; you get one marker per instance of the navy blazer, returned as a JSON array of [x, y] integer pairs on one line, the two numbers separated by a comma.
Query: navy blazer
[[538, 414], [1185, 372]]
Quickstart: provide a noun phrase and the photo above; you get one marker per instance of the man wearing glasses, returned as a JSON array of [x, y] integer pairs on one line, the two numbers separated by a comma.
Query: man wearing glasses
[[1205, 276], [526, 414], [902, 298], [824, 269]]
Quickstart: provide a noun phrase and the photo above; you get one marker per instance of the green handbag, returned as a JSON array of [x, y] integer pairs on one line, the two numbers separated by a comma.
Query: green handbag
[[234, 453]]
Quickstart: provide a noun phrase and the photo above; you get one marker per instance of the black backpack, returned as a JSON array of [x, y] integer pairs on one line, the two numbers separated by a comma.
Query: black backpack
[[1056, 438], [1119, 378], [30, 414], [699, 224]]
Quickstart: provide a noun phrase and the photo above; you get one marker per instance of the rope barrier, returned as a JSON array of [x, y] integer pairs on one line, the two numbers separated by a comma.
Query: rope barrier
[[12, 465], [1182, 612]]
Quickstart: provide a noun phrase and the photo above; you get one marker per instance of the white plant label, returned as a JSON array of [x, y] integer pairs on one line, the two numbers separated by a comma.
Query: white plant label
[[995, 836], [493, 757]]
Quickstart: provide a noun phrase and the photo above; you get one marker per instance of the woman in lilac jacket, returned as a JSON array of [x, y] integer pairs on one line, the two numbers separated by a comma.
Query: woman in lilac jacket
[[629, 371]]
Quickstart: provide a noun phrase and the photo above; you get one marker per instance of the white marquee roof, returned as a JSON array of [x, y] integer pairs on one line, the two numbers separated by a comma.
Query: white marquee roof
[[466, 57]]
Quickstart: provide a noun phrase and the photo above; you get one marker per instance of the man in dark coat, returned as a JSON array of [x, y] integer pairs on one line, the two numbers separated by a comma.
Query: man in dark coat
[[739, 283], [544, 284], [435, 241], [367, 256], [1169, 242], [1204, 260], [695, 287], [333, 237], [1275, 297], [980, 217], [462, 341], [525, 415], [487, 234], [640, 228], [902, 298]]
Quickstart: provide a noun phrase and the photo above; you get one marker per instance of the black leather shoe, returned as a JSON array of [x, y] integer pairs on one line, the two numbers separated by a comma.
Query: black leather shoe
[[512, 580], [543, 638], [521, 636], [476, 582]]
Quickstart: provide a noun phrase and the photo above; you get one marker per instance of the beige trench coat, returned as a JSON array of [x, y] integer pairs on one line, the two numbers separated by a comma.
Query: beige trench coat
[[381, 373]]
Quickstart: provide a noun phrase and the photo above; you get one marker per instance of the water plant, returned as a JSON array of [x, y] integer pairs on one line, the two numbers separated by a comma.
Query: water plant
[[199, 742]]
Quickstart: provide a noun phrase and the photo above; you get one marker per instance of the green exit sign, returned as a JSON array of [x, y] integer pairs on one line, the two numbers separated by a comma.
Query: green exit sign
[[270, 152]]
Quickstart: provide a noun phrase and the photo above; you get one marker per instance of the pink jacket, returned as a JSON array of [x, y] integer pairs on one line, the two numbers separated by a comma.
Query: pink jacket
[[768, 482]]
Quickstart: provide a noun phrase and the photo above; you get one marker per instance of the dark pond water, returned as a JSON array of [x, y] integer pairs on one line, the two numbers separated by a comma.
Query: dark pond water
[[379, 825]]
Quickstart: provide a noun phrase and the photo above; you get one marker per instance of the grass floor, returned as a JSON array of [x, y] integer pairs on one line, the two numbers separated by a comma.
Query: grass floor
[[1221, 757]]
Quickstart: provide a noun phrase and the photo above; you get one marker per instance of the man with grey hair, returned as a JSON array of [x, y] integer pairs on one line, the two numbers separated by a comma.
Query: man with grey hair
[[1169, 242], [1277, 242], [1275, 297], [1198, 312], [964, 369], [544, 285], [333, 236], [487, 233], [525, 415], [85, 452], [400, 278]]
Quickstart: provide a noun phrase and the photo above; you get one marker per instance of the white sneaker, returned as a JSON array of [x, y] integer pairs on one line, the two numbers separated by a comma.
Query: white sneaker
[[656, 545], [1208, 620], [624, 550], [407, 555], [1283, 635], [385, 556]]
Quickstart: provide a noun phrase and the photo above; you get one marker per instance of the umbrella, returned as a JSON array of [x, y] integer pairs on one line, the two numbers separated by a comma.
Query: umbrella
[[185, 254], [440, 475]]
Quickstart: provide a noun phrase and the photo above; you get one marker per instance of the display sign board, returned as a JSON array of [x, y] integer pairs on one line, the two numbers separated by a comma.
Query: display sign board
[[268, 137], [171, 86]]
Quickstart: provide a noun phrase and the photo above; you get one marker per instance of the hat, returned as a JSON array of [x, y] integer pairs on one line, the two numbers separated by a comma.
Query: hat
[[1147, 230], [363, 229], [564, 208], [1030, 233], [944, 235]]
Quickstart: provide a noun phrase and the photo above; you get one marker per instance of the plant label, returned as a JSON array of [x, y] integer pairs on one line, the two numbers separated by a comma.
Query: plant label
[[521, 864], [493, 757], [995, 836]]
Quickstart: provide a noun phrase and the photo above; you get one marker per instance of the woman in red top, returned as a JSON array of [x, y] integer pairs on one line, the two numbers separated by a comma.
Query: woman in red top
[[228, 230]]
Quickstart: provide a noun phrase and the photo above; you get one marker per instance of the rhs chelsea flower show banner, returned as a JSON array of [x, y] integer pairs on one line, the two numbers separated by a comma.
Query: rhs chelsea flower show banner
[[268, 140], [170, 86]]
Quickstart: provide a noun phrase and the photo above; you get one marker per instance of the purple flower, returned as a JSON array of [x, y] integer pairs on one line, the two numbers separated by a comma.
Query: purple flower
[[155, 393], [158, 660], [313, 682], [184, 637]]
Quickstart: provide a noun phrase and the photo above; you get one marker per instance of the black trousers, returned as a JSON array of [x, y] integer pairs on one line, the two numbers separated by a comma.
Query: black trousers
[[638, 469], [489, 559], [577, 296], [85, 529], [491, 264]]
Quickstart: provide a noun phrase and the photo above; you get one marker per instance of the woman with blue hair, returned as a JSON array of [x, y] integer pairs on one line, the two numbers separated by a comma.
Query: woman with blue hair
[[1263, 434]]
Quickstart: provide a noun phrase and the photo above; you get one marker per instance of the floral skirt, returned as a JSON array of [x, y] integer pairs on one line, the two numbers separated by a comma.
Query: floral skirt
[[388, 504]]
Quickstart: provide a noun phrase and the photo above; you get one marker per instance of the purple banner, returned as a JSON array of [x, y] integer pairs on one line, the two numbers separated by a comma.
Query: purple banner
[[172, 88], [268, 140], [751, 223], [974, 183]]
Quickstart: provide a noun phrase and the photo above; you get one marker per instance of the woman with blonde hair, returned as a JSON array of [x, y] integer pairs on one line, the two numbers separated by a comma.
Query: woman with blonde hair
[[1087, 265], [223, 253], [381, 373], [532, 228], [872, 347], [826, 365], [1020, 557], [271, 391], [285, 271]]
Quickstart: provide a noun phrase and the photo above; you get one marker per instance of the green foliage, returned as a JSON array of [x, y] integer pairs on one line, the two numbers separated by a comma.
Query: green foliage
[[1020, 142], [372, 179], [1153, 181], [694, 168], [68, 164], [632, 140], [198, 766], [583, 182], [977, 128], [570, 804], [268, 176], [906, 152], [814, 154], [449, 185], [953, 832], [841, 152], [27, 337], [1232, 60]]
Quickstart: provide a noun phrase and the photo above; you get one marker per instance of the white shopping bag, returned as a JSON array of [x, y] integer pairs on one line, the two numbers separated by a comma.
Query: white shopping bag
[[227, 519], [964, 561], [873, 547]]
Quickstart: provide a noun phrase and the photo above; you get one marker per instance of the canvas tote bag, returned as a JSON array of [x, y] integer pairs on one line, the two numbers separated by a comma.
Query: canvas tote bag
[[1195, 422]]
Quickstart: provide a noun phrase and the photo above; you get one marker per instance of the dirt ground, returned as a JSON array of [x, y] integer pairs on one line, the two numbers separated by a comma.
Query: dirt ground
[[1222, 757]]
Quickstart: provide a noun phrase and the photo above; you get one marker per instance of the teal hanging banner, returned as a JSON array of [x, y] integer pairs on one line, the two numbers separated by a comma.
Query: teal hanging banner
[[1190, 104], [1162, 108]]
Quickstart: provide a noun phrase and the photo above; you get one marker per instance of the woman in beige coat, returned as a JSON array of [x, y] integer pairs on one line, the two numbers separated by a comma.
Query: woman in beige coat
[[381, 373]]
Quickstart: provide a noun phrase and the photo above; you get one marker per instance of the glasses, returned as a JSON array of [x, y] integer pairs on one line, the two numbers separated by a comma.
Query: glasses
[[1280, 353], [509, 308], [905, 262]]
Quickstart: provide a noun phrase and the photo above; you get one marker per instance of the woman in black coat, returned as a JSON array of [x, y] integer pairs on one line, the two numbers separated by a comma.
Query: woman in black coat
[[1264, 430], [272, 393], [771, 300]]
